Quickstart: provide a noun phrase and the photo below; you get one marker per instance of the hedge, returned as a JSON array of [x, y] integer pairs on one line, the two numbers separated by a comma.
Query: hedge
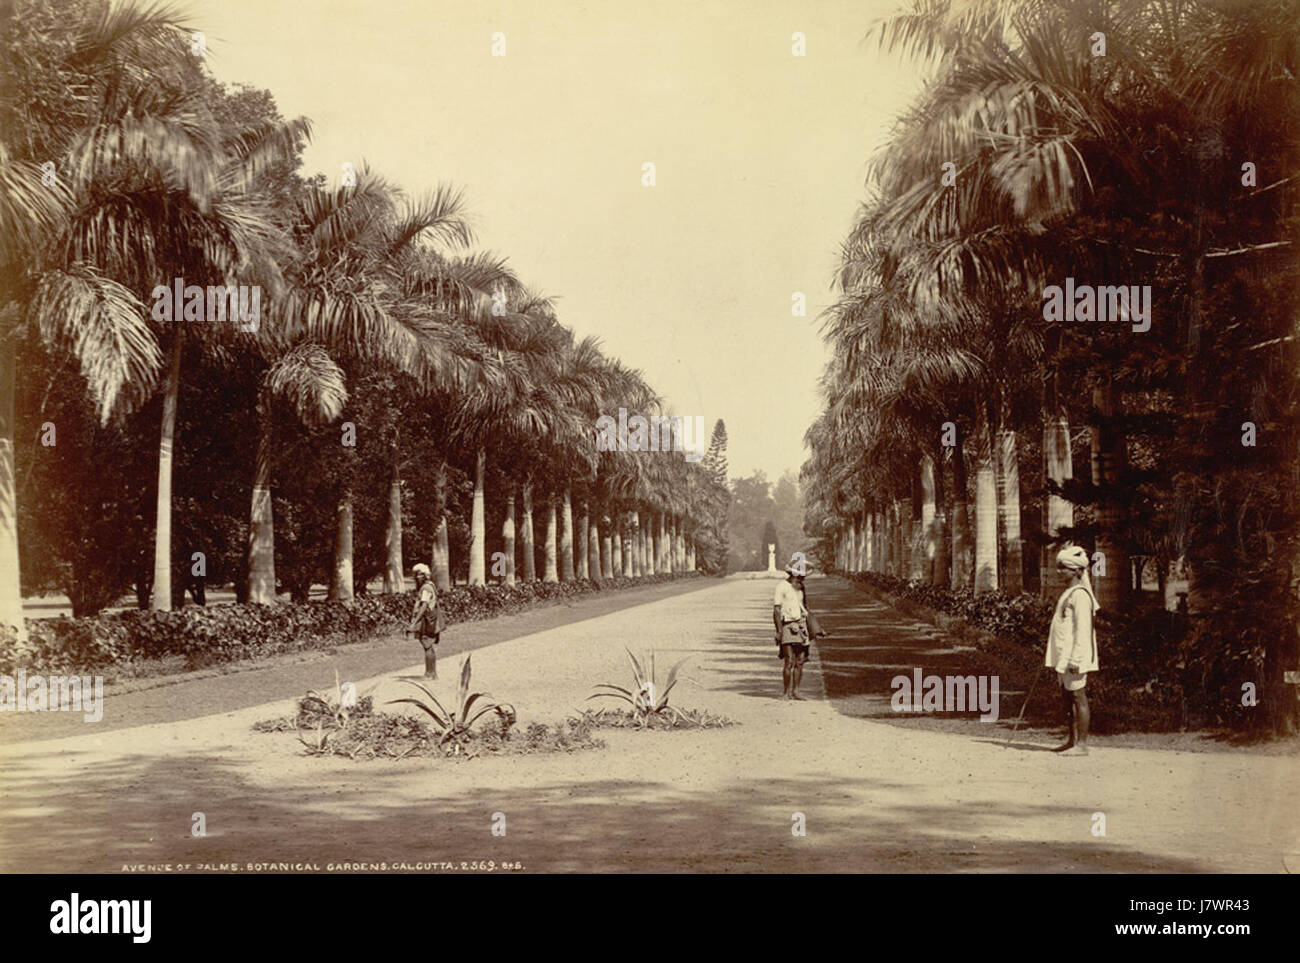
[[1023, 618], [1165, 676], [210, 635]]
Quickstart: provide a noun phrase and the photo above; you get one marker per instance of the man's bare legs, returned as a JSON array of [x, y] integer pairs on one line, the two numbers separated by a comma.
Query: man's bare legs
[[791, 675], [430, 659], [1079, 716], [1067, 702], [1082, 719]]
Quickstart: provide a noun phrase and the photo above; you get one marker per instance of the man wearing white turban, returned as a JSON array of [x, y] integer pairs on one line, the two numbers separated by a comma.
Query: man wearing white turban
[[1072, 646]]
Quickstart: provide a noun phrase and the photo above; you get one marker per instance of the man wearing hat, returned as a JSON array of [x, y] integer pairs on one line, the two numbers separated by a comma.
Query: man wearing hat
[[426, 620], [790, 617], [1072, 646]]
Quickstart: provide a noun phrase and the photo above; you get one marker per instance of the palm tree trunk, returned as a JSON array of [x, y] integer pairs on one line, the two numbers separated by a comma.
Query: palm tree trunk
[[608, 548], [261, 528], [900, 539], [508, 536], [393, 580], [986, 514], [942, 544], [917, 568], [478, 525], [1108, 462], [441, 548], [162, 545], [1013, 578], [638, 546], [530, 556], [1058, 512], [651, 561], [594, 562], [679, 544], [662, 563], [627, 545], [11, 594], [583, 546], [566, 536], [929, 533], [901, 560], [341, 583], [552, 573], [963, 570], [616, 561]]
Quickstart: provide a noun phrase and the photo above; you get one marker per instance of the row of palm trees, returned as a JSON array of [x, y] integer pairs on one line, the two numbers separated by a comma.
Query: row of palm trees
[[125, 166], [1108, 141]]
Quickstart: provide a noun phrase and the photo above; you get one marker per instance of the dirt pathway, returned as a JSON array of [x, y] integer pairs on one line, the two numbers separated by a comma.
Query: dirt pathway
[[873, 797], [139, 702]]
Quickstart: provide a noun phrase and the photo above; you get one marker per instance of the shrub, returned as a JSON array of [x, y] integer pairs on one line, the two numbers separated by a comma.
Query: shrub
[[645, 699], [388, 736], [679, 719], [1023, 618], [454, 726], [1153, 673], [211, 635]]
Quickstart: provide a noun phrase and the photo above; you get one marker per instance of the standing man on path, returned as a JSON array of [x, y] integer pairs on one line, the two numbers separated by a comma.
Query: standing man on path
[[426, 620], [1072, 646], [790, 618]]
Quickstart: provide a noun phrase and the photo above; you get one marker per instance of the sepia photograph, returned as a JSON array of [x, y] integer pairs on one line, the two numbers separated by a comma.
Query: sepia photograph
[[696, 437]]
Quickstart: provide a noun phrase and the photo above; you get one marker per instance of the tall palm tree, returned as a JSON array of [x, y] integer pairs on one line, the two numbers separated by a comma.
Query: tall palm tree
[[150, 187], [350, 292]]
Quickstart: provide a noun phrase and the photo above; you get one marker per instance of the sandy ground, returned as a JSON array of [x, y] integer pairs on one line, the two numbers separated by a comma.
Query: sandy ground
[[873, 796]]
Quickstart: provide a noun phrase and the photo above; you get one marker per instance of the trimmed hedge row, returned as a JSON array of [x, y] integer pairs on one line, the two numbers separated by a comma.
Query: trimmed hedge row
[[1155, 674], [1023, 618], [209, 635]]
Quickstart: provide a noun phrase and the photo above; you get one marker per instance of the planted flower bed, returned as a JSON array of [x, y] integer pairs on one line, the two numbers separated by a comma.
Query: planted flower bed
[[473, 725]]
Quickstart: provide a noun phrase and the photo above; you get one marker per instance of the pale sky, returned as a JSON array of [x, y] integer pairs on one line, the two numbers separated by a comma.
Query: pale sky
[[759, 157]]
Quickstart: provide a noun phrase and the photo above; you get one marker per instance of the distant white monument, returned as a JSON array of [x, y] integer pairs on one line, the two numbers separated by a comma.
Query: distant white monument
[[771, 560]]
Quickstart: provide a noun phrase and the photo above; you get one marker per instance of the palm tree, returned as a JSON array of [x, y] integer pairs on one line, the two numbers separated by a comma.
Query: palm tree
[[309, 379], [150, 188], [354, 290]]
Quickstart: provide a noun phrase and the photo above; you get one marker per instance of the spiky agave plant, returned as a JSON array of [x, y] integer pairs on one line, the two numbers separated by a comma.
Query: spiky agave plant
[[645, 698], [454, 726]]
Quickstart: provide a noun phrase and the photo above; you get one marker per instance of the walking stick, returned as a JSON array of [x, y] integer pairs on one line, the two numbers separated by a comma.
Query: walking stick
[[1024, 705]]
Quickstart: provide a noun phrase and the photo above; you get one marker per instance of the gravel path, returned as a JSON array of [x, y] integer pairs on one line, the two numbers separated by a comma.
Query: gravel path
[[190, 695], [873, 796]]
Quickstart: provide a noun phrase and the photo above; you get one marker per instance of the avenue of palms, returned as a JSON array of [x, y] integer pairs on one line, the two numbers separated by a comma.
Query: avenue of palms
[[397, 377], [965, 439]]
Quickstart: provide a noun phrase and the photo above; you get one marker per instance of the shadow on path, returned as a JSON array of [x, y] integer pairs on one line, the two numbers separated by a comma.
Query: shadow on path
[[870, 644], [597, 826]]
